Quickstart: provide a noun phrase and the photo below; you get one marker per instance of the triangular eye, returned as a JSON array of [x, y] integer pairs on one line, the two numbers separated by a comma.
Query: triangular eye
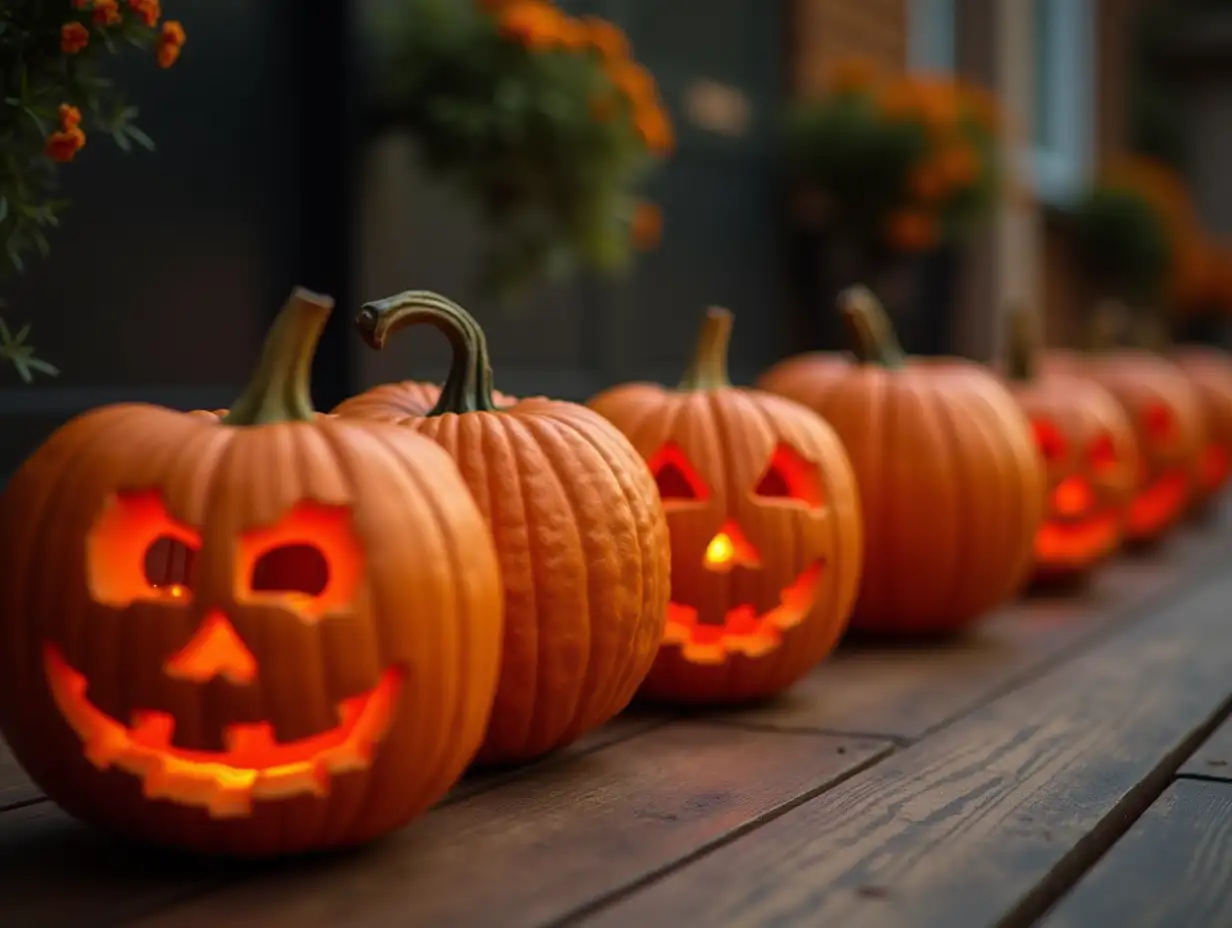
[[675, 476], [1049, 440], [1103, 455], [1159, 422], [791, 476]]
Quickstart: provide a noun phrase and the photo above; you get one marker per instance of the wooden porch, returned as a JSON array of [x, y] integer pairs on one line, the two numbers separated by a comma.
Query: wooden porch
[[1065, 766]]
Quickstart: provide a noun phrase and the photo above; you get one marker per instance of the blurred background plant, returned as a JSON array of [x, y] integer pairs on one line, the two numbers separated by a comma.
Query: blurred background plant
[[543, 122], [900, 162]]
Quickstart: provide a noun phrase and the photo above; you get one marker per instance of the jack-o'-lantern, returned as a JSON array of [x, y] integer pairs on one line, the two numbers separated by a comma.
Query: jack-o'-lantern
[[1209, 372], [393, 401], [951, 484], [257, 636], [765, 526], [1090, 457], [579, 531]]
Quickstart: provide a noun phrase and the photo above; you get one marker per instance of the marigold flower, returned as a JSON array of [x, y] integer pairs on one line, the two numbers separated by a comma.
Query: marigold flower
[[63, 145], [107, 12], [532, 23], [911, 230], [929, 182], [148, 11], [647, 226], [70, 116], [73, 38], [958, 164], [606, 38], [170, 41], [655, 129], [634, 81], [852, 73]]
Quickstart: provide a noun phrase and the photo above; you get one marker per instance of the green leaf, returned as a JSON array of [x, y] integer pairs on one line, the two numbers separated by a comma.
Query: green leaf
[[140, 137]]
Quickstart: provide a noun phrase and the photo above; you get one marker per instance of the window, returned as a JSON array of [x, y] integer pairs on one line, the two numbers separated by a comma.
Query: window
[[1061, 151], [930, 35]]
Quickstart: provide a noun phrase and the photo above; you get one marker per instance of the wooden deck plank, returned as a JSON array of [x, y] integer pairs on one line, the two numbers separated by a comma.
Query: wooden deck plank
[[15, 787], [978, 823], [904, 692], [536, 848], [1212, 761], [1173, 869]]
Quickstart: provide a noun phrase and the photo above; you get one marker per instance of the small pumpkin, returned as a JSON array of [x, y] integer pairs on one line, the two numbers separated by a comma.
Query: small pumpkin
[[1087, 444], [765, 524], [265, 634], [951, 484], [579, 531], [1209, 372], [393, 401]]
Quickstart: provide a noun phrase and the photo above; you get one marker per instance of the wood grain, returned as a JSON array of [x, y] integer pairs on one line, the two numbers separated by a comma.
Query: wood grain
[[984, 817], [533, 849], [1213, 760], [905, 692], [15, 787], [1172, 870]]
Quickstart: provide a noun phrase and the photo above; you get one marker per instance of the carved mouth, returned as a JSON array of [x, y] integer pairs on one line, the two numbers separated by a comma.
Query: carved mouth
[[743, 631], [1157, 504], [1077, 542], [224, 783]]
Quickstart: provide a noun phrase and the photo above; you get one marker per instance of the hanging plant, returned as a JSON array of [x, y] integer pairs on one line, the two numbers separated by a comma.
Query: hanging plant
[[55, 99], [541, 120]]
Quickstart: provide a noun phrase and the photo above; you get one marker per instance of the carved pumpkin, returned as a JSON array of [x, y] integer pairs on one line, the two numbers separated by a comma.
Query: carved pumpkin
[[579, 531], [765, 526], [255, 636], [951, 484], [393, 401], [1209, 372], [1089, 453]]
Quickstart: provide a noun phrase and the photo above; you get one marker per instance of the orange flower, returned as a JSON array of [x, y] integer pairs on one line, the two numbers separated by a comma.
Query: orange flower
[[605, 38], [106, 13], [170, 41], [958, 164], [634, 81], [73, 38], [929, 182], [911, 230], [852, 73], [647, 226], [148, 11], [654, 129], [532, 23], [900, 98], [70, 116], [63, 144]]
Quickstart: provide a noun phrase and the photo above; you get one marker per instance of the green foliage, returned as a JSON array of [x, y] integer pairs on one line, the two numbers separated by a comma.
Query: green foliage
[[514, 129], [1123, 242]]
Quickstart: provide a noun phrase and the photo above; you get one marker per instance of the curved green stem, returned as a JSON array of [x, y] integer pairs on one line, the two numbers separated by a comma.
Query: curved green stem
[[280, 387], [873, 340], [1022, 344], [708, 369], [468, 388]]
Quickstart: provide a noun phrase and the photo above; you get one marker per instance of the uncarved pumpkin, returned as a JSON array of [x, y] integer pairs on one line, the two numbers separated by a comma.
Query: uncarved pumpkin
[[1090, 457], [951, 484], [393, 401], [579, 530], [262, 635], [1209, 371], [764, 515]]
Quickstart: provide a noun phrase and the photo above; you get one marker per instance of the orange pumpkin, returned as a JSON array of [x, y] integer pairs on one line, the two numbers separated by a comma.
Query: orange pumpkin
[[393, 401], [1209, 372], [765, 526], [262, 635], [1089, 453], [580, 534], [951, 484]]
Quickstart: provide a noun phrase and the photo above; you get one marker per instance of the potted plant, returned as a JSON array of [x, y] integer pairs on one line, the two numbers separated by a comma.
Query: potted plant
[[53, 59]]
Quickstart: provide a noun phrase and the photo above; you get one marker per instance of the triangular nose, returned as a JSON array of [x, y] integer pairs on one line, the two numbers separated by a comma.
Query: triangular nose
[[215, 651], [729, 548]]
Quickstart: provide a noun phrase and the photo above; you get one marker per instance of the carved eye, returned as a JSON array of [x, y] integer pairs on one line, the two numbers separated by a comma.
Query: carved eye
[[310, 561], [789, 476], [677, 480], [136, 551], [1159, 423], [1049, 440], [1102, 455]]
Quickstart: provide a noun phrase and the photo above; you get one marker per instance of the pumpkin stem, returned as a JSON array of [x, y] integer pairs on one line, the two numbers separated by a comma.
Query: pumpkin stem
[[1022, 344], [468, 388], [873, 340], [280, 387], [708, 369], [1109, 320]]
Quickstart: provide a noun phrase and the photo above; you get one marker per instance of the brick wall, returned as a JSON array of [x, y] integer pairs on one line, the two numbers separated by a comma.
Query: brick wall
[[829, 29]]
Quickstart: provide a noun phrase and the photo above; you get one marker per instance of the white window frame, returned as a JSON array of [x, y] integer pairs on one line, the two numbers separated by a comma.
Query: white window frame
[[932, 32], [1061, 170]]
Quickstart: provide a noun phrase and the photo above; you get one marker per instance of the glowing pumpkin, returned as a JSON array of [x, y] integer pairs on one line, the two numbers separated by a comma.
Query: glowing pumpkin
[[1089, 453], [1209, 372], [765, 526], [267, 634], [579, 531], [951, 484]]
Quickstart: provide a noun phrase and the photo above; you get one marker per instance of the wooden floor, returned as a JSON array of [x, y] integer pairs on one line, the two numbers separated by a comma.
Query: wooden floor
[[1069, 765]]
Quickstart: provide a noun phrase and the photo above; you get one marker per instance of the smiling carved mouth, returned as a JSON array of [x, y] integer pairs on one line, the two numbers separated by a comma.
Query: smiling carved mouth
[[1078, 542], [254, 766], [743, 631], [1157, 504]]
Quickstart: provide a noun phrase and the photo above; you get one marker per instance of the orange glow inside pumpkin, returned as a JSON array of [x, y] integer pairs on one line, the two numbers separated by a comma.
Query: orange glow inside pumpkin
[[1159, 423], [1060, 543], [1049, 440], [677, 480], [790, 476], [1216, 466], [743, 630], [729, 548], [309, 563], [1103, 456], [1155, 506], [1073, 496]]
